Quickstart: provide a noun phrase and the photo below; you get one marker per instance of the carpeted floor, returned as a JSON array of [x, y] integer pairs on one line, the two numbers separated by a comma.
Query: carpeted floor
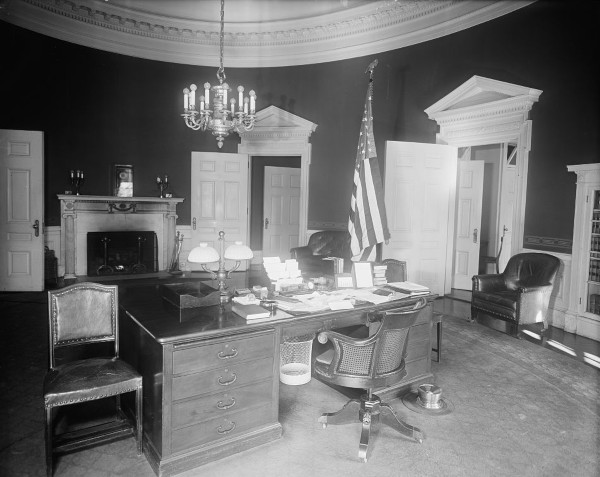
[[519, 409]]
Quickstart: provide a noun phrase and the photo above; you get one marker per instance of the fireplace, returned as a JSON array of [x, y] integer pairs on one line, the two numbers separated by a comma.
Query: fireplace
[[121, 253], [83, 214]]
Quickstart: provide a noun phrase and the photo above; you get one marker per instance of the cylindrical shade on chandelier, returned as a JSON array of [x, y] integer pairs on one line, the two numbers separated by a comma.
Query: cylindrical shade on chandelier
[[237, 251], [203, 254]]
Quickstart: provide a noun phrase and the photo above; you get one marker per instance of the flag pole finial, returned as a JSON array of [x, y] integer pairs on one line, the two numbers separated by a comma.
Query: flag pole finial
[[370, 68]]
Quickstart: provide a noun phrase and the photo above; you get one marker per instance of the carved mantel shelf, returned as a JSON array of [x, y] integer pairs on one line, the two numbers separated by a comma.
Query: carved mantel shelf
[[81, 214]]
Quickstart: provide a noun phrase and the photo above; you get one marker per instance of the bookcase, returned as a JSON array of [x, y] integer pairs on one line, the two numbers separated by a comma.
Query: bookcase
[[585, 275]]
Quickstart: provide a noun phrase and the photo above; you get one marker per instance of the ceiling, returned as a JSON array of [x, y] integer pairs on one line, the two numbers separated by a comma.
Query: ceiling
[[258, 33]]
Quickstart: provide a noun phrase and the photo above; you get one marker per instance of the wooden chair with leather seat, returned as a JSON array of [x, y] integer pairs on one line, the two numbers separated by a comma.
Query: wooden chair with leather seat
[[374, 362], [81, 315]]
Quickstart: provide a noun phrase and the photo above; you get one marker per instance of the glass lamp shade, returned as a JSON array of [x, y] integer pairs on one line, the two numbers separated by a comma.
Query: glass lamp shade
[[203, 254], [238, 252]]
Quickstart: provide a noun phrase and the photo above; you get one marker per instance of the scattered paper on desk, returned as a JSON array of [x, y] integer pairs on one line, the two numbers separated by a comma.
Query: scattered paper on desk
[[341, 305], [271, 260], [408, 287], [249, 299]]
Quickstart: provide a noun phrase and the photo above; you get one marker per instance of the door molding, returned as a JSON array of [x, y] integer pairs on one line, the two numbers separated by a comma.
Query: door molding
[[485, 111], [277, 132]]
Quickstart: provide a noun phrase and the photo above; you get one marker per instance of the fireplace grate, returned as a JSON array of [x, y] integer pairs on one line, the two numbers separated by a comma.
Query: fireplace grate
[[121, 253]]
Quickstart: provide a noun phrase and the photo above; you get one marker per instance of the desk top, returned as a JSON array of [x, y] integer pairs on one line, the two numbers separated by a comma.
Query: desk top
[[167, 323]]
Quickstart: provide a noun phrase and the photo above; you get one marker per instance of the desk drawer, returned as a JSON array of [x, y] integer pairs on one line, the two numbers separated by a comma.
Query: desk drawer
[[219, 404], [229, 377], [224, 427], [223, 352]]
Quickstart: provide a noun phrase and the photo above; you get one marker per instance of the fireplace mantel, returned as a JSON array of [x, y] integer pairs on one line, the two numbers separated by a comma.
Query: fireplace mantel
[[81, 214]]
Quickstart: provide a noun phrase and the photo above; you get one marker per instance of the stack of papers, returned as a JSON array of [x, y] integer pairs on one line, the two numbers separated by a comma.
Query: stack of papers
[[278, 270], [408, 287]]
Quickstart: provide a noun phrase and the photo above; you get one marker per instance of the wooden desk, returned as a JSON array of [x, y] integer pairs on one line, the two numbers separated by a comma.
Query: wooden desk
[[211, 380]]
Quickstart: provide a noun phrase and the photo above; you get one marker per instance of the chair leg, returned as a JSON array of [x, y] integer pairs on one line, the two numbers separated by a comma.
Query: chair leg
[[346, 415], [49, 431], [370, 422], [390, 418], [139, 418], [439, 341]]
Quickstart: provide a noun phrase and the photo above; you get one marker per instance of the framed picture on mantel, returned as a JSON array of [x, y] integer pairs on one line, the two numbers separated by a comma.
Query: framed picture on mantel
[[123, 180]]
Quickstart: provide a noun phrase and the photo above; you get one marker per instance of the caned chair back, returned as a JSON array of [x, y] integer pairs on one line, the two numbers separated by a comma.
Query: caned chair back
[[83, 313], [374, 361]]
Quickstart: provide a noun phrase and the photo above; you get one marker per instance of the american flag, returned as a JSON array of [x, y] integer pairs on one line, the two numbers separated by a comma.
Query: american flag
[[367, 222]]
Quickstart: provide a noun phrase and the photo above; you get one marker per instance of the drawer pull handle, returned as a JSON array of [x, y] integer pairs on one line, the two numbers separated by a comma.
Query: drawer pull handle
[[227, 383], [233, 354], [220, 429], [220, 404]]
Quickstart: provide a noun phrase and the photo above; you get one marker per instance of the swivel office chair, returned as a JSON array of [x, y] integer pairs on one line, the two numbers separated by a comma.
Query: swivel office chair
[[87, 314], [369, 363]]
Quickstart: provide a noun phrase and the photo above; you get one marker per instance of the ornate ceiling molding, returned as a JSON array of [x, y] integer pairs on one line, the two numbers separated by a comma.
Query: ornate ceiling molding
[[363, 28]]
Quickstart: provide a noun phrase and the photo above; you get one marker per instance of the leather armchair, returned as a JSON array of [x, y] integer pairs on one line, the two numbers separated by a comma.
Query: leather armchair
[[323, 244], [518, 296]]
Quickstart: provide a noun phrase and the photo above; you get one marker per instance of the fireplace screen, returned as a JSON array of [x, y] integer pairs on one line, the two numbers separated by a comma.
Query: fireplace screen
[[121, 253]]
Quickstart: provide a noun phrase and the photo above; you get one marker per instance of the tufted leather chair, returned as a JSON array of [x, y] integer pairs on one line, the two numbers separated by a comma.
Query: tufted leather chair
[[374, 362], [326, 243], [84, 315], [519, 295]]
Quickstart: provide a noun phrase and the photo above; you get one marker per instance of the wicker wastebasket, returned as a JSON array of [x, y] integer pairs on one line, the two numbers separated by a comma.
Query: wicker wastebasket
[[295, 359]]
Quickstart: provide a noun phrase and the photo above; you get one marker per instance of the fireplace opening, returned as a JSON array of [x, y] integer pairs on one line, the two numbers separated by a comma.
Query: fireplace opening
[[121, 253]]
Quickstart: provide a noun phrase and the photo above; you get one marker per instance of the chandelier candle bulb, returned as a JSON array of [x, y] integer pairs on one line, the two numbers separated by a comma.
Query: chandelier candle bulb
[[240, 96], [186, 98], [246, 100], [206, 90], [193, 96], [252, 101], [232, 102], [201, 103]]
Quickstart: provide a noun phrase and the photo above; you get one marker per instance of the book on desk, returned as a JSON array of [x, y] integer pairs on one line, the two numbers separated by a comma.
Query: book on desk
[[408, 288], [250, 311]]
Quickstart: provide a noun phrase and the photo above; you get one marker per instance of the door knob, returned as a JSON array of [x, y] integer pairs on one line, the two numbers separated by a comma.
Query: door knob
[[475, 236], [194, 223], [36, 227], [266, 223]]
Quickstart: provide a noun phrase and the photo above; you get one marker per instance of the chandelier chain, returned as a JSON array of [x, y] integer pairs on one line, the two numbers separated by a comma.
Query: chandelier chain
[[221, 72]]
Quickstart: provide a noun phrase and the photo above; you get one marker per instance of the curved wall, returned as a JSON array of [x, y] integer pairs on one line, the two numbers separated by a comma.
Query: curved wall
[[99, 108]]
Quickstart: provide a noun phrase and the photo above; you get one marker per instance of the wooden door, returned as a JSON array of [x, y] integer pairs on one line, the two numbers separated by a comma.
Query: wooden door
[[505, 215], [219, 200], [281, 211], [468, 223], [420, 187], [22, 210]]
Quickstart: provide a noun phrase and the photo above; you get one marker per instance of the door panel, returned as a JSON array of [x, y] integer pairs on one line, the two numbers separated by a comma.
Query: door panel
[[420, 181], [219, 200], [281, 211], [468, 223], [22, 211]]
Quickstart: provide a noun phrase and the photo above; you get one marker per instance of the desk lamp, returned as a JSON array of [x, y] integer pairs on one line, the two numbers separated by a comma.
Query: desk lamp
[[203, 254]]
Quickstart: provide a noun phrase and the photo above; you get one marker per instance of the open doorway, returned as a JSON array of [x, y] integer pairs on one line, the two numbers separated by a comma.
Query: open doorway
[[484, 112], [284, 210]]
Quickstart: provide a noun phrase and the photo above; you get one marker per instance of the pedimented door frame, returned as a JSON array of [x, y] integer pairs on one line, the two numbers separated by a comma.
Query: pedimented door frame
[[484, 111], [280, 133]]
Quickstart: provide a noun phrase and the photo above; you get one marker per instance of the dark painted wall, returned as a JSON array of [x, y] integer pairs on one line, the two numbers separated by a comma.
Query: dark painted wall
[[99, 108]]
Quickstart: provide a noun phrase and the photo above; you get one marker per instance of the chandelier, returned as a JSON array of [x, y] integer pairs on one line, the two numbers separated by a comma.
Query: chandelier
[[220, 120]]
